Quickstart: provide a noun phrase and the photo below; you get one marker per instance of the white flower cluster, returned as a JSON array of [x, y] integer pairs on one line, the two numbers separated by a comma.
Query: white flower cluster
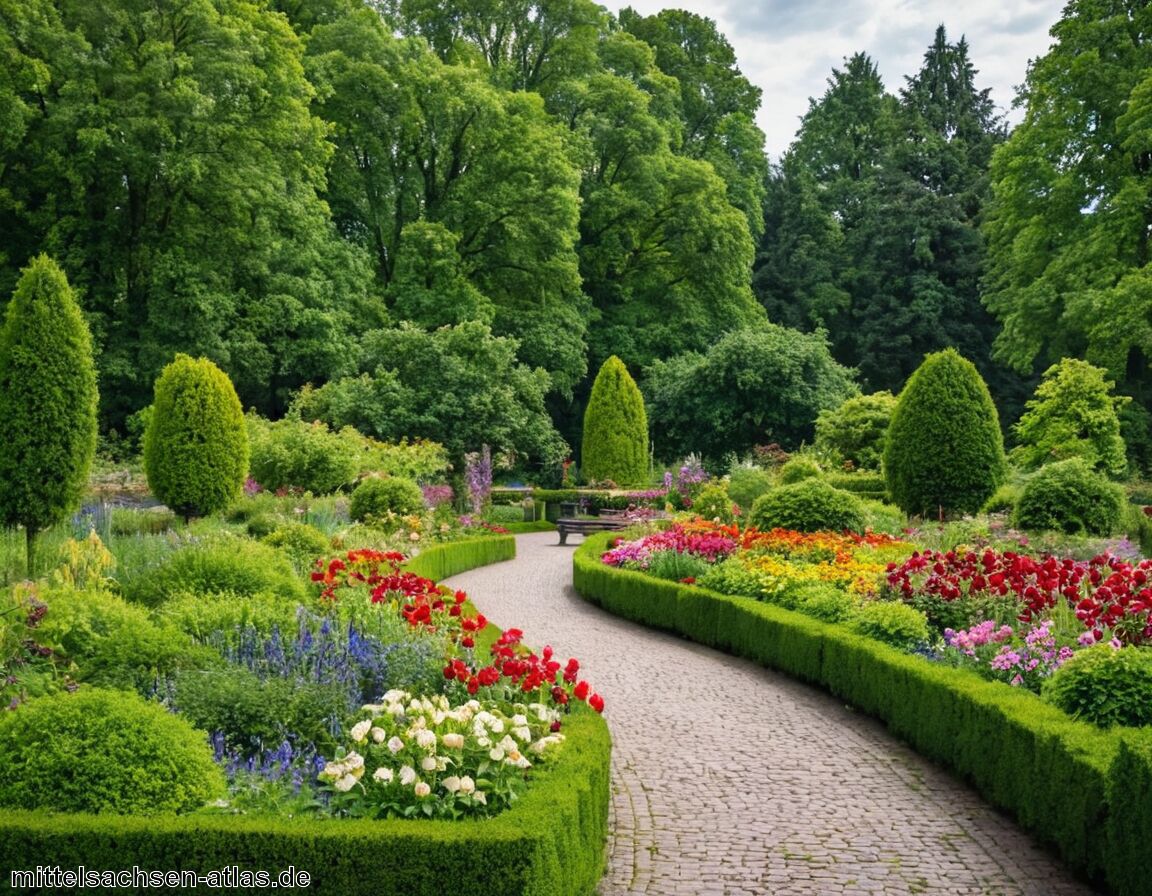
[[425, 747]]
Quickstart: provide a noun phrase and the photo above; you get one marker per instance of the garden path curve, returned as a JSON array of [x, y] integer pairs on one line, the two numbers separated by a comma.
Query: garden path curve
[[732, 780]]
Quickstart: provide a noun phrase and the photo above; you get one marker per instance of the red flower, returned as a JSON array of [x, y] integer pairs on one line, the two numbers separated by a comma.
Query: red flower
[[596, 702], [581, 691]]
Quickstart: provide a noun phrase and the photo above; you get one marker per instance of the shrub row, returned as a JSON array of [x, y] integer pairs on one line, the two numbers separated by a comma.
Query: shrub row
[[866, 485], [551, 841], [1086, 792], [439, 561]]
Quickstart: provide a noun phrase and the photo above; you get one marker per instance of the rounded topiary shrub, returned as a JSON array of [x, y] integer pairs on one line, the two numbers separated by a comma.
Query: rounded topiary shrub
[[892, 623], [1069, 496], [713, 503], [746, 484], [196, 443], [1105, 686], [808, 506], [615, 443], [798, 468], [104, 751], [377, 496], [944, 453], [225, 564]]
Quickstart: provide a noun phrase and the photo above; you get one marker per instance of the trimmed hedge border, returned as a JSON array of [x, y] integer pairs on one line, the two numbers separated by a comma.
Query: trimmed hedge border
[[551, 841], [1083, 791]]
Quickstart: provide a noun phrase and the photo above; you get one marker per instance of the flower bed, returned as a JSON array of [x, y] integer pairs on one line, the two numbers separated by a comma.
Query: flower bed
[[1083, 790]]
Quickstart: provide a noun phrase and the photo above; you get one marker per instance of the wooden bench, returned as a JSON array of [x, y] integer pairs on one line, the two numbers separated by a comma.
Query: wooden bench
[[583, 526]]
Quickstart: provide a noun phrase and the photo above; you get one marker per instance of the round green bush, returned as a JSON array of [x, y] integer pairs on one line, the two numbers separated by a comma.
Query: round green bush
[[377, 496], [1105, 686], [798, 468], [746, 484], [104, 751], [856, 430], [892, 623], [196, 443], [615, 441], [291, 453], [1003, 500], [1069, 496], [301, 542], [808, 506], [220, 564], [944, 453], [713, 503], [202, 615]]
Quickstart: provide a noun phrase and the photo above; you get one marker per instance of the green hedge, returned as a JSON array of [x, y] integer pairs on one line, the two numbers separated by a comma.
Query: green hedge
[[866, 485], [1086, 792], [439, 561], [550, 842]]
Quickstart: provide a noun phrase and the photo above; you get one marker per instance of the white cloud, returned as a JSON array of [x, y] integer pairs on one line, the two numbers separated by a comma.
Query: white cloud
[[788, 48]]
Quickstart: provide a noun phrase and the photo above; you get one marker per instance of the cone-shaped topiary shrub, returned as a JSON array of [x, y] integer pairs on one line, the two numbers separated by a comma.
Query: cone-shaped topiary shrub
[[944, 452], [196, 443], [47, 402], [615, 443], [104, 751]]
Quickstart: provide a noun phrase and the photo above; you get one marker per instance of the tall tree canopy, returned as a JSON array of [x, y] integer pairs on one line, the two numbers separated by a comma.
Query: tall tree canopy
[[1070, 223]]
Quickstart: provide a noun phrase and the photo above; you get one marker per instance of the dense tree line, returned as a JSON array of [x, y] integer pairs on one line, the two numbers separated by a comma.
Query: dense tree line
[[311, 191]]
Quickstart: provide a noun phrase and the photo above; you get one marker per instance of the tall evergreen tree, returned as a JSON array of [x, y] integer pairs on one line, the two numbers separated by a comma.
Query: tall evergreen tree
[[47, 402], [615, 445]]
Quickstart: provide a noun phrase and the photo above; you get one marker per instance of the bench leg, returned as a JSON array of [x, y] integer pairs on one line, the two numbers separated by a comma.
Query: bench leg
[[564, 536]]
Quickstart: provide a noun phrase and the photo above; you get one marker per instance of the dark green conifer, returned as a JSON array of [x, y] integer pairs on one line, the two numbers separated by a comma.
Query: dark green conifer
[[615, 445]]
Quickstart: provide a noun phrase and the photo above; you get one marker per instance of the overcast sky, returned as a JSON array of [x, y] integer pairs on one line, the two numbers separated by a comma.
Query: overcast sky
[[788, 48]]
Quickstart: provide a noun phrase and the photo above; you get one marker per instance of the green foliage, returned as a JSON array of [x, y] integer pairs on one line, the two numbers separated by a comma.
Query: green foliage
[[301, 542], [798, 468], [104, 751], [675, 566], [420, 459], [811, 505], [196, 444], [615, 443], [731, 576], [111, 643], [1073, 414], [378, 496], [47, 402], [460, 386], [1003, 500], [1105, 685], [944, 452], [200, 615], [214, 565], [1071, 497], [892, 623], [880, 516], [855, 430], [756, 385], [712, 502], [820, 600], [746, 484], [293, 454]]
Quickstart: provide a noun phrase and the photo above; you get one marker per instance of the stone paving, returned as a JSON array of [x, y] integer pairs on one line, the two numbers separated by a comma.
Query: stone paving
[[732, 780]]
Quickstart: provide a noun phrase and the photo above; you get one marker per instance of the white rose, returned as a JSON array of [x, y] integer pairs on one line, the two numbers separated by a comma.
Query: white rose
[[422, 789], [539, 746], [332, 770], [453, 741], [345, 784], [428, 763], [496, 753], [378, 735], [426, 738], [383, 774], [354, 762], [395, 745], [467, 785], [480, 797], [497, 726], [483, 742], [451, 784], [508, 744], [407, 775], [360, 730], [396, 709], [523, 732], [519, 720], [395, 695]]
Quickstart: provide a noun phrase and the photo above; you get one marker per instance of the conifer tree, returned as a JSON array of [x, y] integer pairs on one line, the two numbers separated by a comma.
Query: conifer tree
[[944, 453], [196, 443], [48, 403], [615, 443]]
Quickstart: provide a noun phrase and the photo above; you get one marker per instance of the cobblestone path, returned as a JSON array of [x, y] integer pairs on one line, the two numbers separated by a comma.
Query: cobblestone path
[[732, 780]]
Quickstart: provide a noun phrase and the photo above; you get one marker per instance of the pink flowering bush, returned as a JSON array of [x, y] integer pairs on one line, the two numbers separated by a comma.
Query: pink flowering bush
[[683, 538], [1024, 658]]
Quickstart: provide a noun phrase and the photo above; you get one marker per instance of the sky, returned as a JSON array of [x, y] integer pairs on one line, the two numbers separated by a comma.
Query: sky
[[788, 48]]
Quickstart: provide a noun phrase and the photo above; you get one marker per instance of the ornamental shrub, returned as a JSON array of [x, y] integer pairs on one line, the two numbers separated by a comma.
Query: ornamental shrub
[[196, 443], [47, 402], [746, 484], [1072, 414], [713, 503], [893, 623], [1071, 497], [798, 468], [104, 751], [857, 428], [808, 506], [223, 564], [944, 453], [377, 496], [301, 542], [615, 445], [1105, 686], [293, 454]]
